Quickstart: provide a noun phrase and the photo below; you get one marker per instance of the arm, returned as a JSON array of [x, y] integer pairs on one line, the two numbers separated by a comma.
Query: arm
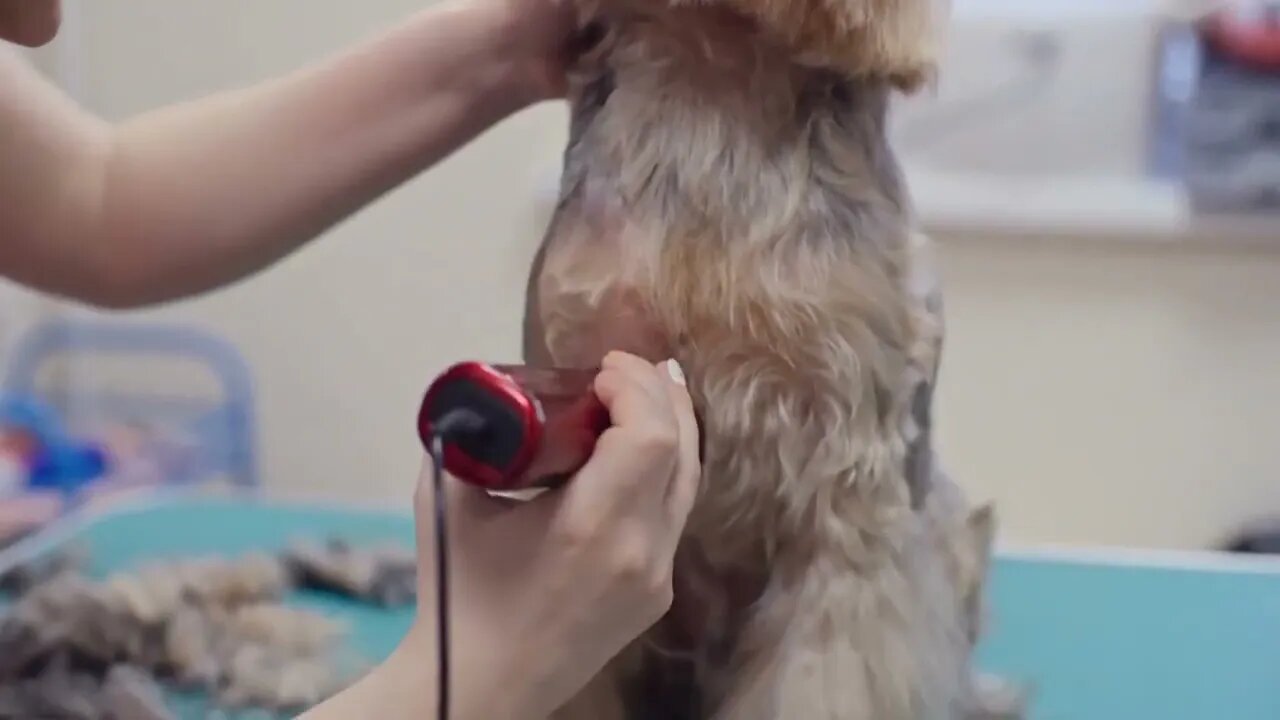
[[401, 688], [189, 198], [405, 685]]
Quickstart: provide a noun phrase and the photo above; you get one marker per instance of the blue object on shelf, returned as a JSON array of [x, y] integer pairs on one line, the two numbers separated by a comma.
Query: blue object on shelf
[[225, 427], [66, 469], [59, 463]]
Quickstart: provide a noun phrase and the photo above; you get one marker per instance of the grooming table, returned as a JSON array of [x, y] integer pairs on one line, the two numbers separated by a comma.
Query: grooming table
[[1125, 635], [1110, 637]]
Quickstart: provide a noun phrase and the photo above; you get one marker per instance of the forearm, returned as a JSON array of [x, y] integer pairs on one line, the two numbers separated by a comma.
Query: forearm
[[394, 690], [405, 687], [185, 199]]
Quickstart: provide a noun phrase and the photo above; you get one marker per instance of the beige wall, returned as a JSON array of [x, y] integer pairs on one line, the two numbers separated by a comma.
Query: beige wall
[[1099, 394], [1114, 394]]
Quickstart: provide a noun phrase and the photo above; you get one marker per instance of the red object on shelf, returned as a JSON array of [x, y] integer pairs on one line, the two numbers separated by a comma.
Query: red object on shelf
[[1249, 35], [18, 444]]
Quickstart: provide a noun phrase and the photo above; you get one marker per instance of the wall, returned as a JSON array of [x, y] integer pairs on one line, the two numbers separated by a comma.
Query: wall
[[1100, 394], [1114, 394]]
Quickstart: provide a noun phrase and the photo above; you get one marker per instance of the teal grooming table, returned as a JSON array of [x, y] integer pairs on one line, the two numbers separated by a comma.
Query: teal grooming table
[[126, 538], [1110, 637], [1129, 636]]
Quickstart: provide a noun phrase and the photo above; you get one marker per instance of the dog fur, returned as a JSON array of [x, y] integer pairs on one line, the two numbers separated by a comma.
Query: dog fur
[[729, 199]]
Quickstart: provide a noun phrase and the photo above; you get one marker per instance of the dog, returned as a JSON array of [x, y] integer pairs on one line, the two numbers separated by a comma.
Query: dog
[[729, 199]]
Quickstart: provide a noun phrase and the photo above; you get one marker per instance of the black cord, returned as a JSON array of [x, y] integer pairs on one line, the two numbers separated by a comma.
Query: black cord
[[453, 423]]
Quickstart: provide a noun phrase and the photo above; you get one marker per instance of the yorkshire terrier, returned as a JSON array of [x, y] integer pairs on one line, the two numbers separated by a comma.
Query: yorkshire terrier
[[729, 199]]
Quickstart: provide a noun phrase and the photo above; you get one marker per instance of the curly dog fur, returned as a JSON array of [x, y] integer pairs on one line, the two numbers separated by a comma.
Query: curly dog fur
[[729, 199]]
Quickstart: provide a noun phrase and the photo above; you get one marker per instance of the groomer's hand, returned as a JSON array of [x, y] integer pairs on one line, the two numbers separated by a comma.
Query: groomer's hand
[[546, 592], [29, 22], [541, 40]]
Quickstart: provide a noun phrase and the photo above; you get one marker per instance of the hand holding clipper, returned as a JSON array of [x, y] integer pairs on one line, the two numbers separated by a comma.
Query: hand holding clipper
[[573, 553]]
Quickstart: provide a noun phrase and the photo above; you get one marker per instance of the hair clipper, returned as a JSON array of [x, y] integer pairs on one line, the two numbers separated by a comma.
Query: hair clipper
[[532, 427]]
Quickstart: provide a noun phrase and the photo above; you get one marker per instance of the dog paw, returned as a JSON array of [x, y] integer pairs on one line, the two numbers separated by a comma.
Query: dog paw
[[996, 698]]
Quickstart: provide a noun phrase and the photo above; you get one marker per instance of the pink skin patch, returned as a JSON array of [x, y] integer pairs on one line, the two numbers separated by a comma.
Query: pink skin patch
[[24, 513], [619, 324]]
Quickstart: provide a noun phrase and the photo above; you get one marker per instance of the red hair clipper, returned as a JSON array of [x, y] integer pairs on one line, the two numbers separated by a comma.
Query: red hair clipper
[[532, 427]]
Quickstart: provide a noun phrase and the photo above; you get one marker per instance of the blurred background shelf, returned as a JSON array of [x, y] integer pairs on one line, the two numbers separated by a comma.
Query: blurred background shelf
[[1089, 119], [1098, 209]]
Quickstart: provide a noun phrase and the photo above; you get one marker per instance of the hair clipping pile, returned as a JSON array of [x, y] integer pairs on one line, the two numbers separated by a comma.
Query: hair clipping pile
[[84, 649]]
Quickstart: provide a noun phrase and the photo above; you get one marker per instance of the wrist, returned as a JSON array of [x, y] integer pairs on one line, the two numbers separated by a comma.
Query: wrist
[[506, 75], [402, 687], [482, 686]]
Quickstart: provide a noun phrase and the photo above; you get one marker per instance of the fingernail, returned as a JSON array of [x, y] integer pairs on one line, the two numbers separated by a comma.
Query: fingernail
[[676, 372]]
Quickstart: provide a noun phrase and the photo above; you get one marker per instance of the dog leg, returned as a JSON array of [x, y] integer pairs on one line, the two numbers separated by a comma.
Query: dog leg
[[968, 545], [995, 698], [881, 634], [828, 643]]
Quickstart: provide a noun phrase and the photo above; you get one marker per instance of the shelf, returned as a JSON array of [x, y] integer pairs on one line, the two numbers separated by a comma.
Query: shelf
[[1101, 208]]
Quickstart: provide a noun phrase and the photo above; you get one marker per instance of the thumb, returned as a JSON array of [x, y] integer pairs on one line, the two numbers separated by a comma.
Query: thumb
[[30, 22]]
